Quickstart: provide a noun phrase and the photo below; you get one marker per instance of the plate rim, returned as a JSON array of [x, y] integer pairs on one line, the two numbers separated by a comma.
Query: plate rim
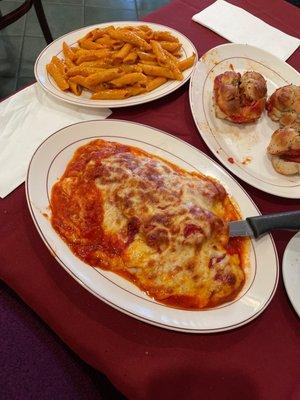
[[285, 267], [117, 307], [96, 103], [242, 174]]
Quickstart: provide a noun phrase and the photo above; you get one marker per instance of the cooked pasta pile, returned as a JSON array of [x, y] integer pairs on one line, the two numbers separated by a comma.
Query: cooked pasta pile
[[117, 63]]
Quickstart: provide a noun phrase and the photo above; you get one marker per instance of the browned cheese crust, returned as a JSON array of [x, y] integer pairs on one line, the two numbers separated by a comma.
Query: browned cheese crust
[[284, 149], [239, 98], [283, 106]]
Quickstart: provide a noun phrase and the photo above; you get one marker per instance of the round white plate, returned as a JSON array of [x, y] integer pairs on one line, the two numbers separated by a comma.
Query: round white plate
[[48, 164], [55, 49], [291, 271], [242, 148]]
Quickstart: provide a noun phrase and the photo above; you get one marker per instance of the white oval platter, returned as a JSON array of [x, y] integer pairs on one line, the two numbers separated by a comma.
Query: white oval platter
[[55, 49], [48, 164], [242, 148]]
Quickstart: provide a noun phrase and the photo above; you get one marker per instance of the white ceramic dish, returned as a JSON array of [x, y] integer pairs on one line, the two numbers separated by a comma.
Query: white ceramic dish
[[242, 148], [291, 271], [49, 162], [55, 49]]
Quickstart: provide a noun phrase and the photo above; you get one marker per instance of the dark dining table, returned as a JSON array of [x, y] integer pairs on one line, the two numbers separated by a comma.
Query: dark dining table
[[260, 360]]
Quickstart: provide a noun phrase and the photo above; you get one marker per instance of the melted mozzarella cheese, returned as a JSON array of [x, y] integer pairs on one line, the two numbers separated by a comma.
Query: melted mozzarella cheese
[[169, 222]]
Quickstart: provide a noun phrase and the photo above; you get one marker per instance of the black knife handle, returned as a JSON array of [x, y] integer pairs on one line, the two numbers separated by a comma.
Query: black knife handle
[[264, 223]]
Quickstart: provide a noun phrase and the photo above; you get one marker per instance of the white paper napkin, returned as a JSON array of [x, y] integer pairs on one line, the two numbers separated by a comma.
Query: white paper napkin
[[239, 26], [26, 119]]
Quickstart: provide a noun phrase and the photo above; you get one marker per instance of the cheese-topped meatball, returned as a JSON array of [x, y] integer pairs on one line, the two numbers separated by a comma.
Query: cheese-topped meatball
[[284, 106], [285, 151], [239, 98]]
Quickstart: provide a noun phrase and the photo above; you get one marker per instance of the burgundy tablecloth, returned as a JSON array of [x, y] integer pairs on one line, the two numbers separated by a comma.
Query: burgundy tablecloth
[[258, 361]]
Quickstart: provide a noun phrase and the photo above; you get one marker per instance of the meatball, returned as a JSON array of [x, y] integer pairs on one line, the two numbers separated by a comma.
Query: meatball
[[283, 106], [284, 149], [239, 98]]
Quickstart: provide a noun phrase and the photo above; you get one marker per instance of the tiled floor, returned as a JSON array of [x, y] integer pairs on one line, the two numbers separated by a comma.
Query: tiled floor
[[21, 42]]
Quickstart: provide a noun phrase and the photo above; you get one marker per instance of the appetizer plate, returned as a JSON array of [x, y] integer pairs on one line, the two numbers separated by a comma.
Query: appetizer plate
[[55, 49], [48, 164], [242, 148], [291, 271]]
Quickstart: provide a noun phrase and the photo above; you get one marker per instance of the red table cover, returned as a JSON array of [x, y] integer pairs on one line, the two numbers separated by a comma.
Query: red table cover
[[258, 361]]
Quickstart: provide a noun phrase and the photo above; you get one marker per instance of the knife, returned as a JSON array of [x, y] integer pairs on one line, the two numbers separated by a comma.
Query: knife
[[257, 226]]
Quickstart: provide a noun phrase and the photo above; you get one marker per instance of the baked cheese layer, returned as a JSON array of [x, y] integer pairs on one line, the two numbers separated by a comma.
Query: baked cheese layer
[[122, 209]]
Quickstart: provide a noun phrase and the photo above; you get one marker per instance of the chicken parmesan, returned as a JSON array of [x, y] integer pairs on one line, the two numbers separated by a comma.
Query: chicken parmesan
[[122, 209]]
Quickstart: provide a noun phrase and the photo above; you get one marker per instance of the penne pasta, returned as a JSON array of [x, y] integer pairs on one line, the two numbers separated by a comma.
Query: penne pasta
[[173, 65], [115, 63], [57, 76], [90, 55], [88, 44], [102, 63], [136, 90], [177, 54], [80, 80], [158, 52], [186, 63], [110, 94], [149, 62], [75, 88], [84, 71], [106, 40], [129, 79], [89, 34], [155, 83], [69, 63], [100, 53], [145, 28], [146, 56], [131, 58], [129, 37], [170, 56], [130, 68], [176, 72], [122, 53], [103, 76], [97, 33], [140, 32], [154, 70], [59, 64], [170, 46], [164, 36], [148, 32], [68, 52]]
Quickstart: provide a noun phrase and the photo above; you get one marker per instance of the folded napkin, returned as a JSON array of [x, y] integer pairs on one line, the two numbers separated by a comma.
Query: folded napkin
[[239, 26], [26, 120]]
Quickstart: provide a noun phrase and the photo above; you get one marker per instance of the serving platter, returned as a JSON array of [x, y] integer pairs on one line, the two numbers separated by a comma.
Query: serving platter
[[55, 49], [242, 148], [48, 164]]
